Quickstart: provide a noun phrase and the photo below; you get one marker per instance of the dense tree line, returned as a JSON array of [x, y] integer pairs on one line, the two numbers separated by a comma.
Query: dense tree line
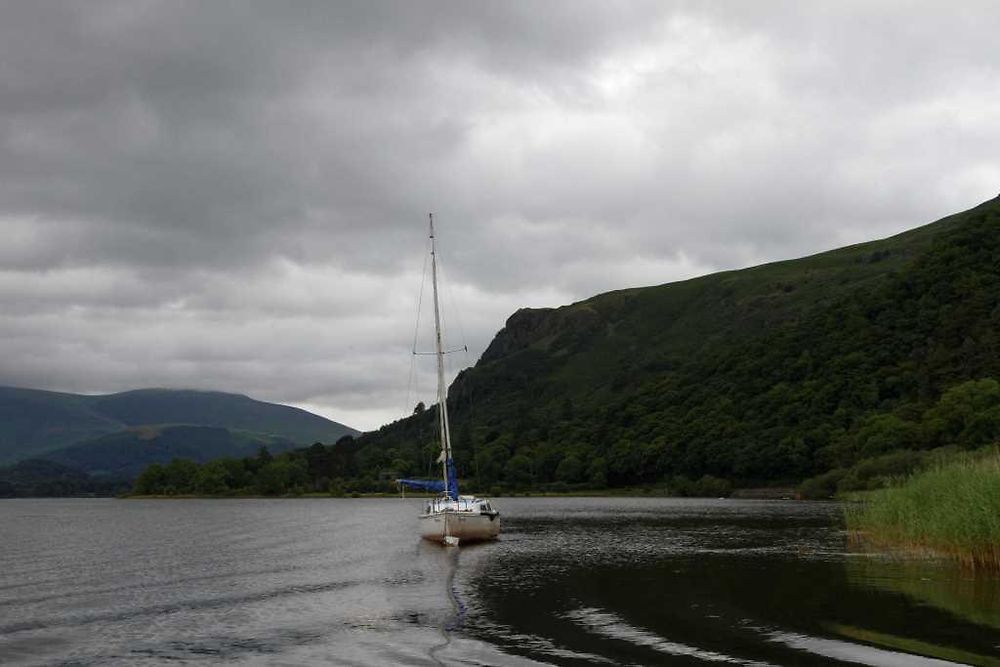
[[34, 478], [884, 446], [319, 468]]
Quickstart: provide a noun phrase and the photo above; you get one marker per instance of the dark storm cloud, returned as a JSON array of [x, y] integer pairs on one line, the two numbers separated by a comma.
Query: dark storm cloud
[[215, 124], [233, 195]]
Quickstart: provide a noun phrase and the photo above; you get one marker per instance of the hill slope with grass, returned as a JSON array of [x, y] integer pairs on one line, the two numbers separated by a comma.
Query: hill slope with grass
[[773, 373], [33, 422], [125, 454], [78, 429]]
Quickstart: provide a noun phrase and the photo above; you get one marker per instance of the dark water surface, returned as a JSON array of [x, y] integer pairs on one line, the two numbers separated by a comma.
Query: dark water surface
[[572, 581]]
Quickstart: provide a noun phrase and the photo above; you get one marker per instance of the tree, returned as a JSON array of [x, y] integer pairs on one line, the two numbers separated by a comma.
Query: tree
[[491, 459], [237, 475], [597, 473], [179, 476], [884, 433], [570, 470], [151, 481], [211, 478], [518, 471], [625, 462], [264, 456], [967, 414], [282, 475], [317, 460]]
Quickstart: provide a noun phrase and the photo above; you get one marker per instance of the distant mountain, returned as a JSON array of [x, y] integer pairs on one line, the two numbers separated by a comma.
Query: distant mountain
[[776, 372], [214, 408], [125, 454], [34, 423]]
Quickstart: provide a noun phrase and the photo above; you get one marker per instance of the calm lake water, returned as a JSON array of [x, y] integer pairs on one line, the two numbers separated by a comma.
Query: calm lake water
[[572, 581]]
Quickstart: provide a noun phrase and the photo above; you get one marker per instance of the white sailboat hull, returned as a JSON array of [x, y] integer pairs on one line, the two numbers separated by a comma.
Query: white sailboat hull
[[465, 526]]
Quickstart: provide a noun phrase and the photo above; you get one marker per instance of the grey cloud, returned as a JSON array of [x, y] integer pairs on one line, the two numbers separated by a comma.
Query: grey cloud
[[233, 195]]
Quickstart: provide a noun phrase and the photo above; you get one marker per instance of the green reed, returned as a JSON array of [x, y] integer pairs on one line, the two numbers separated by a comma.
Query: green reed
[[952, 509]]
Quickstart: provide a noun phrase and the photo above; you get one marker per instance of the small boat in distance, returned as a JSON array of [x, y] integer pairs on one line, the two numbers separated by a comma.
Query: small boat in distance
[[450, 518]]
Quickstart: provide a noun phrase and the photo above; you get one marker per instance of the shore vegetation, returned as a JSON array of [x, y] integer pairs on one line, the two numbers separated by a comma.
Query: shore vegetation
[[952, 509]]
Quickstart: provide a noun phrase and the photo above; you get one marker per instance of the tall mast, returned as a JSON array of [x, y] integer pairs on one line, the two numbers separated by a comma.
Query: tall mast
[[442, 397]]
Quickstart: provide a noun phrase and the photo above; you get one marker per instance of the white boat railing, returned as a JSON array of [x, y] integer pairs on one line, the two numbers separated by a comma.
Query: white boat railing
[[463, 504]]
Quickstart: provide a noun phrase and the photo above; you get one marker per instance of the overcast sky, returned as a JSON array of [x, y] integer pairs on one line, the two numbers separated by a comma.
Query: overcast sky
[[233, 195]]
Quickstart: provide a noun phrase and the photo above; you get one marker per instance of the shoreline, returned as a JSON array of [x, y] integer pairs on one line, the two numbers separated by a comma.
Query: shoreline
[[951, 511], [974, 560], [754, 494]]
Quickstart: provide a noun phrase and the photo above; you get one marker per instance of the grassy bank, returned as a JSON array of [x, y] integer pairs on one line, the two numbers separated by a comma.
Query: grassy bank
[[951, 509]]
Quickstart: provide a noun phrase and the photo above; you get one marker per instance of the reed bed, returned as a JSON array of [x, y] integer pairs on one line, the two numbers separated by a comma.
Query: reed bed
[[952, 509]]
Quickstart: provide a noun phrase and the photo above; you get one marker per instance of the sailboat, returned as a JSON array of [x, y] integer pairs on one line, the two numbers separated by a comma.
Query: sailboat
[[450, 518]]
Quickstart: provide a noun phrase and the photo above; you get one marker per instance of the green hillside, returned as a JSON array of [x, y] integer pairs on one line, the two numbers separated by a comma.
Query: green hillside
[[125, 454], [215, 408], [774, 373], [34, 423]]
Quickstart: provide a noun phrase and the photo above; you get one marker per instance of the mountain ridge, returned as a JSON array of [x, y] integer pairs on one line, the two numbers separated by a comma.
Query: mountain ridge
[[124, 454], [36, 422]]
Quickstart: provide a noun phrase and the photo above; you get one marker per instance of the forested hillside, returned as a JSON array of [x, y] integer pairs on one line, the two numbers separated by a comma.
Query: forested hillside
[[125, 454], [35, 478], [775, 373]]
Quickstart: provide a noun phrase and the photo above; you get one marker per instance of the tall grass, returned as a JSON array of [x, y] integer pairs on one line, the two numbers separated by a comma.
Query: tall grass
[[952, 509]]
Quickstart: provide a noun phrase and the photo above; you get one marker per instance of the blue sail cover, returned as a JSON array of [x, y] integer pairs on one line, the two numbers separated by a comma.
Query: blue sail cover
[[436, 485]]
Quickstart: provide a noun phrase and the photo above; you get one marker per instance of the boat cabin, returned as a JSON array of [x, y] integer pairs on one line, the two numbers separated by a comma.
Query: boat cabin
[[469, 504]]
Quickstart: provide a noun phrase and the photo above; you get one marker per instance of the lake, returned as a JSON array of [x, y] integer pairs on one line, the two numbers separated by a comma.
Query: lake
[[572, 581]]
